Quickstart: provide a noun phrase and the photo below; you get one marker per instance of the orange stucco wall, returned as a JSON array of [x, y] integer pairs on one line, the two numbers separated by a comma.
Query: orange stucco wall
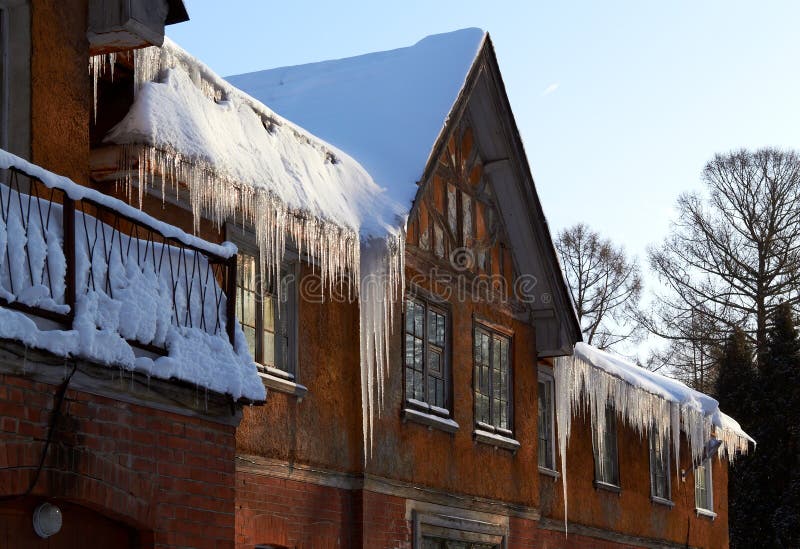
[[324, 428], [61, 95], [631, 511]]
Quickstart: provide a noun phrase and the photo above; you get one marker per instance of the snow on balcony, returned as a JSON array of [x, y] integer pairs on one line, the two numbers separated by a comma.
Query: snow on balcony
[[117, 287]]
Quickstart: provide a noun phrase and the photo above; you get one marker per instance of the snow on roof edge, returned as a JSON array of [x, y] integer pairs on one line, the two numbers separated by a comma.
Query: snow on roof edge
[[659, 385]]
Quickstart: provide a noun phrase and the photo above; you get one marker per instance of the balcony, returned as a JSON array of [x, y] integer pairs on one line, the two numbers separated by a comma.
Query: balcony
[[86, 275]]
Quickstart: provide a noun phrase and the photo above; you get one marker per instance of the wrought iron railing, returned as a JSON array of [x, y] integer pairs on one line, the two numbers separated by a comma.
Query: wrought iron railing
[[55, 251]]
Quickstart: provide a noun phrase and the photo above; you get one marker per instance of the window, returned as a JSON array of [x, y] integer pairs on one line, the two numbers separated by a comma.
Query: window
[[268, 317], [703, 488], [430, 542], [492, 381], [15, 79], [427, 363], [443, 528], [547, 454], [266, 320], [659, 466], [606, 462]]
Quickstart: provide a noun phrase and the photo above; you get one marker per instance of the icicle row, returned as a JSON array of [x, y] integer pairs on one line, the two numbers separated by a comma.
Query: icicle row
[[97, 67], [581, 386], [373, 271]]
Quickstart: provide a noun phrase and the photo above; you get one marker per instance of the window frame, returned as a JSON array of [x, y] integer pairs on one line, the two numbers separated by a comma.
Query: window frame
[[429, 302], [490, 433], [446, 524], [605, 483], [546, 376], [273, 377], [654, 434], [709, 480]]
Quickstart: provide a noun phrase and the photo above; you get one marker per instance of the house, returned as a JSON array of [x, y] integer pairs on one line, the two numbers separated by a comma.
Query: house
[[387, 356]]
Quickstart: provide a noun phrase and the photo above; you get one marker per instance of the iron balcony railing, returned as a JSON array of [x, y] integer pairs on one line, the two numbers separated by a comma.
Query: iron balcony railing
[[55, 250]]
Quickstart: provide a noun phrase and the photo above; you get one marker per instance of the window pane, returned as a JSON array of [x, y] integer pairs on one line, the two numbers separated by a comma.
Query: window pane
[[434, 363], [250, 336], [410, 315], [246, 299], [545, 425], [436, 328], [419, 320]]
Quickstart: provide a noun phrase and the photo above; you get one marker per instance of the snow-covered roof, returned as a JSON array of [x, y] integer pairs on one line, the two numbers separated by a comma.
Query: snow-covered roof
[[647, 401], [385, 109], [664, 387], [183, 107]]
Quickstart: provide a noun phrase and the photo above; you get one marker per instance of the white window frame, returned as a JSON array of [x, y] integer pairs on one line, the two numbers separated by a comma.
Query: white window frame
[[546, 376], [285, 381], [708, 510], [654, 435]]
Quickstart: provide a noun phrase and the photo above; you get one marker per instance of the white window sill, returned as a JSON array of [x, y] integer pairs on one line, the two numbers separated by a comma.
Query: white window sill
[[705, 513], [493, 439], [430, 420], [549, 473], [282, 384], [662, 501], [607, 486]]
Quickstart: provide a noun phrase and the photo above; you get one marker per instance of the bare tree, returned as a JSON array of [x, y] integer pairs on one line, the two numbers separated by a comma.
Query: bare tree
[[733, 255], [606, 285], [693, 359]]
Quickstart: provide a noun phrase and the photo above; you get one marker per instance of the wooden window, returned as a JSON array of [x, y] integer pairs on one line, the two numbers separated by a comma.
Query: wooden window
[[267, 321], [431, 542], [703, 488], [606, 461], [659, 466], [437, 530], [492, 380], [427, 363], [546, 425]]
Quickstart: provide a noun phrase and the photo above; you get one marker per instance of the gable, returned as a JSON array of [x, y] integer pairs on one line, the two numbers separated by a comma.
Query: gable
[[456, 224], [483, 144]]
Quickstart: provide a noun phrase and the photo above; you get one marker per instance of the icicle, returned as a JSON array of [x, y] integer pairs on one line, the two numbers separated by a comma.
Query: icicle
[[581, 383], [564, 385], [97, 67], [372, 271]]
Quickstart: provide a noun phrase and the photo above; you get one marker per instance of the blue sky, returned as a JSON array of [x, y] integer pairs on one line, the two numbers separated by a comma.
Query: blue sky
[[620, 104]]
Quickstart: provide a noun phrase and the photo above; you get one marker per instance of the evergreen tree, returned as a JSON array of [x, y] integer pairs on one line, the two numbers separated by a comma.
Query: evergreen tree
[[737, 392], [764, 487], [778, 428]]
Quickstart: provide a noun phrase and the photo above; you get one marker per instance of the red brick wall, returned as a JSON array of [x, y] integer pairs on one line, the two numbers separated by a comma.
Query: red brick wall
[[289, 513], [169, 475]]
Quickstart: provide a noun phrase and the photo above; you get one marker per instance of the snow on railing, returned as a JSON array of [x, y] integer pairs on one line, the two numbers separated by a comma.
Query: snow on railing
[[120, 279], [54, 248]]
